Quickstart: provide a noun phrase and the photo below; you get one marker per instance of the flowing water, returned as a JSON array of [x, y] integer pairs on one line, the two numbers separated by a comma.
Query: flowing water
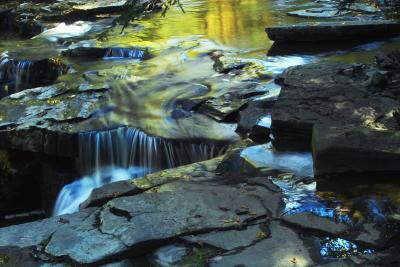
[[180, 43]]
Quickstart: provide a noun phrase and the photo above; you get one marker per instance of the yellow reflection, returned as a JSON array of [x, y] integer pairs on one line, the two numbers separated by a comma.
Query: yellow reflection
[[238, 23]]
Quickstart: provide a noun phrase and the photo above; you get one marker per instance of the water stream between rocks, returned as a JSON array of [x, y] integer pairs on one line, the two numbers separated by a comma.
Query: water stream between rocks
[[160, 103]]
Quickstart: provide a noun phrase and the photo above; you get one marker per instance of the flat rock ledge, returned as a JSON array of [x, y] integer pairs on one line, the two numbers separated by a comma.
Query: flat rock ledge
[[333, 31], [335, 94]]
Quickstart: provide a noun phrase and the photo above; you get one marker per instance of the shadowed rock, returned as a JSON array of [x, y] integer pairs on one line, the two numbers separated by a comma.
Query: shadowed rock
[[341, 151], [333, 31], [332, 94]]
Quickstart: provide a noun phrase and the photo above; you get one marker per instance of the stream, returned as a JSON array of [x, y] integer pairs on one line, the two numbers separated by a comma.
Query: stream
[[146, 93]]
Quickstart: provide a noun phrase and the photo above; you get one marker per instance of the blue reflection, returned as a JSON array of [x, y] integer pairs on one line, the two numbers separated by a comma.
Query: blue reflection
[[341, 248]]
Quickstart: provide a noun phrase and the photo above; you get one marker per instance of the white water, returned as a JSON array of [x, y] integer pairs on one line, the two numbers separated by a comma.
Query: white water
[[64, 31], [125, 147], [14, 72], [121, 53], [122, 154], [72, 195]]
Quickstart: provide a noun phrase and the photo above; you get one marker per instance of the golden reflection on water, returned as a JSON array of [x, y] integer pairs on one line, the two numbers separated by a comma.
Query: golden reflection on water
[[238, 23]]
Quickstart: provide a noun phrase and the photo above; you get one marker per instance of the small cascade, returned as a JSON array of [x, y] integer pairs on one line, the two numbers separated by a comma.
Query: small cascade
[[120, 53], [126, 147], [125, 153], [73, 194], [14, 73]]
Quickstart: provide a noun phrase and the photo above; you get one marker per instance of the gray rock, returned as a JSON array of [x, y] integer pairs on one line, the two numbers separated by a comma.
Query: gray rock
[[231, 240], [139, 223], [315, 224], [32, 234], [340, 151], [199, 171], [193, 208], [318, 12], [283, 248]]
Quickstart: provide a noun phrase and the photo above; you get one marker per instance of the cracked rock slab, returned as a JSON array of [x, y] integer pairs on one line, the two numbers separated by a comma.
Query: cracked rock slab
[[178, 209], [137, 224]]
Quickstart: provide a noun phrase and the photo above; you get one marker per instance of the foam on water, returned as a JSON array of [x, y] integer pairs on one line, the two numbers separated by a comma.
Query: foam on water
[[122, 53], [73, 194]]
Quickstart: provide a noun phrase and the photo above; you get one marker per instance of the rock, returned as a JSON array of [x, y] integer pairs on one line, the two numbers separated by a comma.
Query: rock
[[317, 12], [243, 69], [330, 94], [200, 171], [282, 248], [18, 73], [271, 163], [231, 240], [233, 96], [223, 108], [343, 151], [316, 225], [45, 116], [225, 64], [138, 223], [375, 236], [333, 31], [102, 6], [260, 134]]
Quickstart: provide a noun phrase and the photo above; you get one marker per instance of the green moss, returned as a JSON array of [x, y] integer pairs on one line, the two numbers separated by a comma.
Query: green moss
[[199, 257]]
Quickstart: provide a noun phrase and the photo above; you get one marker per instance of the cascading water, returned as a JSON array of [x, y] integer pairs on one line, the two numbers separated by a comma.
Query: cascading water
[[14, 73], [119, 53], [126, 147], [126, 153]]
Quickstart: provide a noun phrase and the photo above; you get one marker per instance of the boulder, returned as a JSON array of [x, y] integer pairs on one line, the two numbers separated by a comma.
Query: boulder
[[330, 94], [334, 31], [344, 151]]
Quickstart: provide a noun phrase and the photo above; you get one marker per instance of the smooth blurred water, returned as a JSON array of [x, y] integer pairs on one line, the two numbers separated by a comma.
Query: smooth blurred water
[[73, 194]]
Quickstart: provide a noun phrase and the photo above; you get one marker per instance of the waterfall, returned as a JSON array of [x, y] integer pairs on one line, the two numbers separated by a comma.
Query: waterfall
[[15, 73], [73, 194], [125, 153], [117, 52], [126, 147]]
